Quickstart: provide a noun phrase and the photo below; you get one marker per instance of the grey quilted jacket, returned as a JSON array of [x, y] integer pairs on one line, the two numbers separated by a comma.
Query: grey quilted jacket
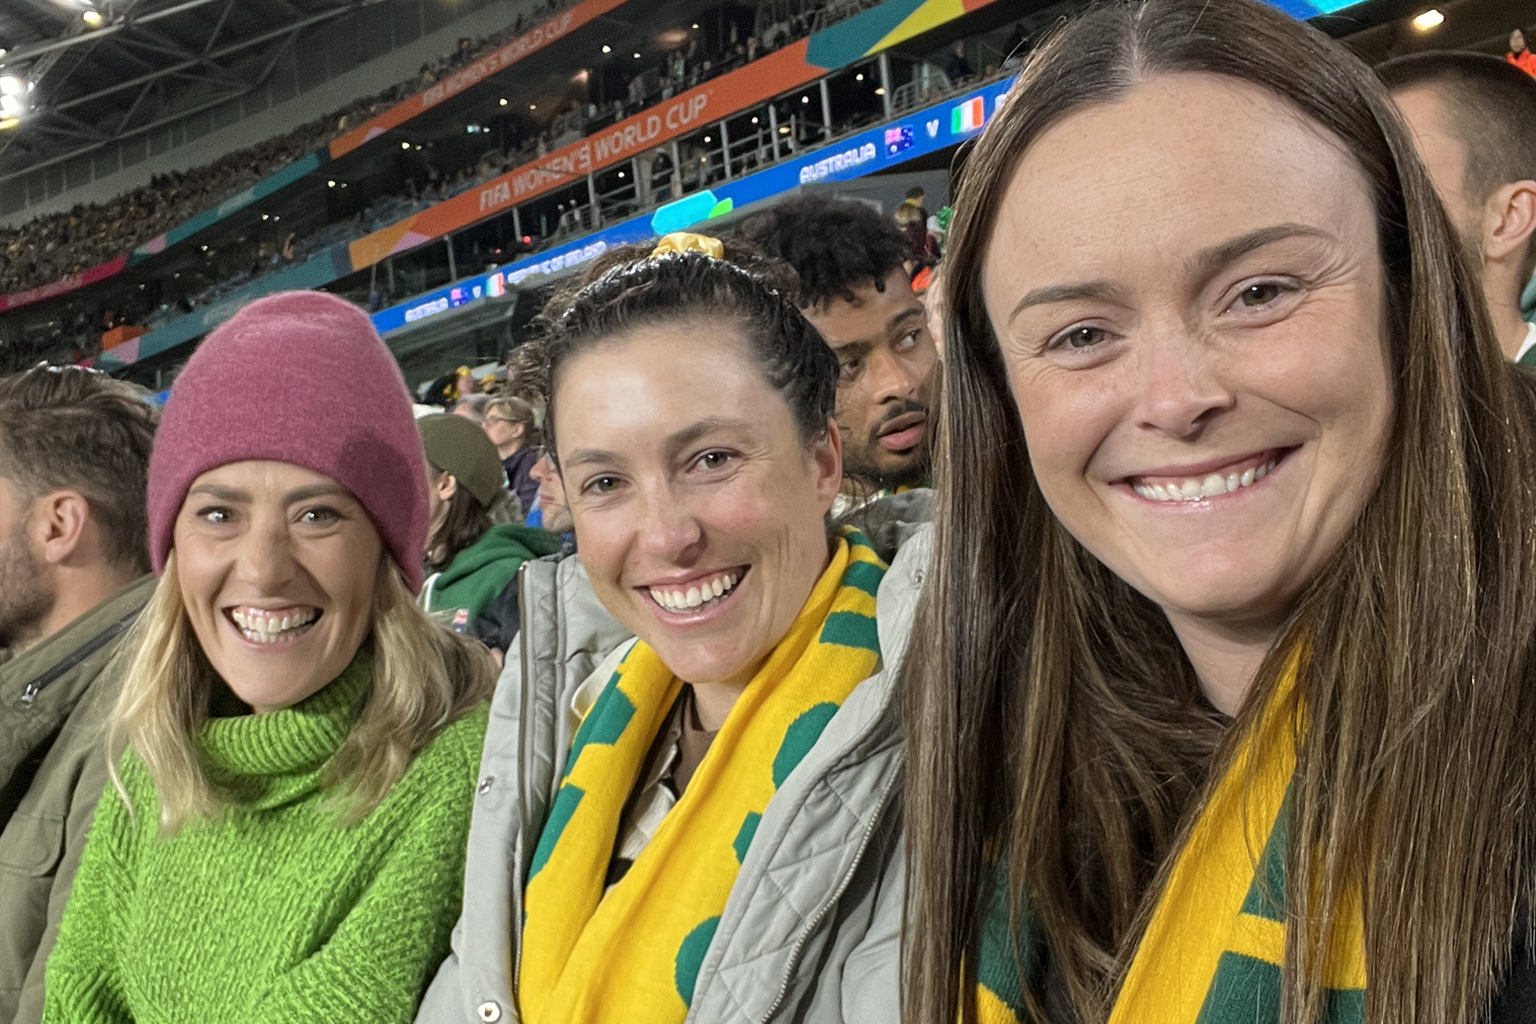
[[811, 931]]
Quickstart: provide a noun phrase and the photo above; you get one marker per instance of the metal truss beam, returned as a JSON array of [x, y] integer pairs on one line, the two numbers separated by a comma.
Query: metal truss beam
[[185, 65]]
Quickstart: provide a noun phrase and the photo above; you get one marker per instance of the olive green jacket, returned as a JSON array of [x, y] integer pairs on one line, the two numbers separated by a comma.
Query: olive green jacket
[[54, 702]]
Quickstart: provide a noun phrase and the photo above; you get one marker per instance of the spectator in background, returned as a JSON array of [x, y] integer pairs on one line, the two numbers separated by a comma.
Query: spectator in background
[[466, 382], [1519, 54], [1471, 117], [511, 424], [956, 68], [472, 560], [854, 289], [552, 511], [472, 407], [912, 218], [74, 573]]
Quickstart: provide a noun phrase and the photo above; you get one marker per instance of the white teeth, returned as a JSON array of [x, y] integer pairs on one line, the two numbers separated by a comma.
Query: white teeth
[[1211, 486], [264, 628], [695, 596]]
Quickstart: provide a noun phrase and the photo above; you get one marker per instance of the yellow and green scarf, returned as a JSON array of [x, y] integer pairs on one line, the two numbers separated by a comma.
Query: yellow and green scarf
[[1213, 950], [635, 954]]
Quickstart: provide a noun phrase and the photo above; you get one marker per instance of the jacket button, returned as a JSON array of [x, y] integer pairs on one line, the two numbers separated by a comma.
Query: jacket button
[[485, 787], [490, 1012]]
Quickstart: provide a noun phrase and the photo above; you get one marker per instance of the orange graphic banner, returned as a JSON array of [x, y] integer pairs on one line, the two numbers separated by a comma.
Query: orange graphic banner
[[535, 39], [756, 83]]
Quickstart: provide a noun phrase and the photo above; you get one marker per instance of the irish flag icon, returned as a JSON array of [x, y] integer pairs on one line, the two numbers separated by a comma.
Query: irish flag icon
[[968, 116]]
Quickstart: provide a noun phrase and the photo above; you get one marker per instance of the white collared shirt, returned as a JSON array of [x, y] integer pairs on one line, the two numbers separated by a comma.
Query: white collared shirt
[[1528, 344]]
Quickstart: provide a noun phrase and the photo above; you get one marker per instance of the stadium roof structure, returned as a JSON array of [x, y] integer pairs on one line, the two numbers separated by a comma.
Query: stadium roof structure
[[102, 70]]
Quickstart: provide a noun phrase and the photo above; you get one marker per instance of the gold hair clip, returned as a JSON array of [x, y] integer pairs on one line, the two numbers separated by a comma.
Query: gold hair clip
[[687, 241]]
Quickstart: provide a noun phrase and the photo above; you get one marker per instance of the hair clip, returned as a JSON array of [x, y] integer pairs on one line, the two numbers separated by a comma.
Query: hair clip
[[687, 241]]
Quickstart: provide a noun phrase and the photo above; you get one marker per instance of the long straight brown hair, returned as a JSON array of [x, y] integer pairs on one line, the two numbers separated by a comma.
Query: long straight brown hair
[[1051, 710]]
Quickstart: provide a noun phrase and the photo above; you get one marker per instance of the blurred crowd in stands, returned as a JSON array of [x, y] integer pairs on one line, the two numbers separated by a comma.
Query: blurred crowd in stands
[[52, 247], [57, 245]]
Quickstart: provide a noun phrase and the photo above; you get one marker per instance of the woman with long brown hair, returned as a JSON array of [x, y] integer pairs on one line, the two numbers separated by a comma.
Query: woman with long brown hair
[[1223, 708]]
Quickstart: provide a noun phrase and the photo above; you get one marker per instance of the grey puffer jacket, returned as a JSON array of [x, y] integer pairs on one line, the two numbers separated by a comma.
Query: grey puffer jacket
[[811, 931]]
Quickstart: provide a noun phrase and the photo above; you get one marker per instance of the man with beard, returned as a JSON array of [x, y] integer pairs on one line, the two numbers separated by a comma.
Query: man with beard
[[74, 573], [854, 288], [1471, 115]]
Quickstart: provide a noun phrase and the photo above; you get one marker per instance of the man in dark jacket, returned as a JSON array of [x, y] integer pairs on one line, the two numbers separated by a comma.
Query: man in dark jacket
[[74, 454]]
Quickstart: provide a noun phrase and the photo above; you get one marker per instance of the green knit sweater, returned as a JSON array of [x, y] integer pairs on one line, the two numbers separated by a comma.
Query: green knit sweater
[[276, 913]]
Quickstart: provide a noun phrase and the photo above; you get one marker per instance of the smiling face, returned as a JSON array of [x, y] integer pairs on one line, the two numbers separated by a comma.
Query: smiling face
[[277, 567], [698, 507], [1188, 293]]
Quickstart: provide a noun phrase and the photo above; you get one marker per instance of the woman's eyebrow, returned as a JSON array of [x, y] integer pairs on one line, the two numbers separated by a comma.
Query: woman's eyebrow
[[1207, 261], [313, 491], [1105, 290], [218, 493]]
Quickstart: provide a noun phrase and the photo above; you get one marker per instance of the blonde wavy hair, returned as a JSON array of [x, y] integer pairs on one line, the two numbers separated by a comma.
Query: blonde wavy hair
[[424, 677]]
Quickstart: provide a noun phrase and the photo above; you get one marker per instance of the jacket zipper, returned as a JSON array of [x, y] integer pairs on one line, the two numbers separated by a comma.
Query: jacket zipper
[[524, 732], [826, 908], [84, 651]]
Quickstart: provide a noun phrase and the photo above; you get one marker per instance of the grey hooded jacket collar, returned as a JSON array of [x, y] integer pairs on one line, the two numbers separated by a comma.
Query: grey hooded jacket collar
[[811, 929]]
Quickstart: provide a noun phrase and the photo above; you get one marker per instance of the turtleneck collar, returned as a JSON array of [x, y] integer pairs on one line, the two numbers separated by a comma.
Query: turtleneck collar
[[261, 758]]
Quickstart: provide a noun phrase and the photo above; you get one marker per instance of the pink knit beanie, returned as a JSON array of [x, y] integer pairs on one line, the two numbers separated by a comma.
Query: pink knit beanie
[[303, 378]]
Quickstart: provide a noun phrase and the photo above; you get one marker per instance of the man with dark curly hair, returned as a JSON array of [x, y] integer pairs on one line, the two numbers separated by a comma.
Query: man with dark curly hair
[[854, 288]]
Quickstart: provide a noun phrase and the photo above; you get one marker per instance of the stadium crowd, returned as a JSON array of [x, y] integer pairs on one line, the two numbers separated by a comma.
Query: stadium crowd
[[1109, 598], [56, 246]]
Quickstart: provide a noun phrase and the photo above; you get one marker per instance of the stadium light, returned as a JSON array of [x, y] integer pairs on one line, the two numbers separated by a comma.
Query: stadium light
[[13, 100], [1429, 20]]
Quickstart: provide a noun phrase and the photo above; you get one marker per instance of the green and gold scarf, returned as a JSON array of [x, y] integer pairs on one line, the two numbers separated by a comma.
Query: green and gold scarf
[[1213, 950], [634, 954]]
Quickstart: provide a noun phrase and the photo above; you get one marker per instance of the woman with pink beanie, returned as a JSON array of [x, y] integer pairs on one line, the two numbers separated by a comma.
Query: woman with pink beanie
[[296, 743]]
